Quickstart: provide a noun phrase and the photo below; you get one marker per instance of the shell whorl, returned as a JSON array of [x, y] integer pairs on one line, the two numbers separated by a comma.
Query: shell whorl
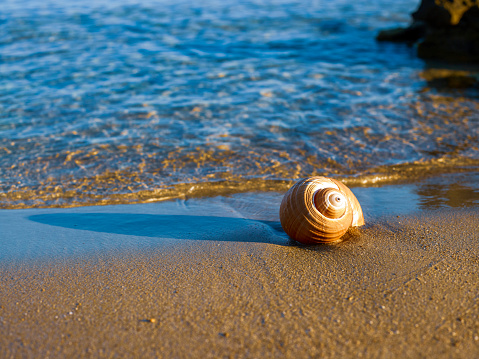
[[319, 210], [330, 202]]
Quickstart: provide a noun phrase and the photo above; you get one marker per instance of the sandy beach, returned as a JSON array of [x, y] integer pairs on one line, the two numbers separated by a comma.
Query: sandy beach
[[213, 278]]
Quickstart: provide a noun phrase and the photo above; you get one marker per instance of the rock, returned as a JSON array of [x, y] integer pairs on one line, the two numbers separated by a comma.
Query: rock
[[454, 43], [444, 29], [432, 14], [404, 34]]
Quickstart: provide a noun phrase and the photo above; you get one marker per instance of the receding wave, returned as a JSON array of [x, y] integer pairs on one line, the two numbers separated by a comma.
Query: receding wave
[[123, 187]]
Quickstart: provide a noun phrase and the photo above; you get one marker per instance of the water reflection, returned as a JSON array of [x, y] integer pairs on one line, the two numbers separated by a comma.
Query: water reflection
[[451, 79], [456, 190], [450, 195]]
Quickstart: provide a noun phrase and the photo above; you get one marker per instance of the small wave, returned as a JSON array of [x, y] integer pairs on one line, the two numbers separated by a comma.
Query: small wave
[[103, 189]]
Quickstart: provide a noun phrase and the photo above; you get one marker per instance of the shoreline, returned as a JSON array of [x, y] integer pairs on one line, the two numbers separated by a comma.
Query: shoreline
[[27, 232], [217, 277], [431, 172]]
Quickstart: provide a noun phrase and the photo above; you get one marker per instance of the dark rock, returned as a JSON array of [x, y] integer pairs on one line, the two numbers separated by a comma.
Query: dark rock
[[454, 43], [432, 14], [404, 34], [470, 18], [446, 30]]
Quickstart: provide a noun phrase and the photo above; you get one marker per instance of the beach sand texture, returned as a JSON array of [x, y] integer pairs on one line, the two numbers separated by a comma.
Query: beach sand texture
[[236, 287]]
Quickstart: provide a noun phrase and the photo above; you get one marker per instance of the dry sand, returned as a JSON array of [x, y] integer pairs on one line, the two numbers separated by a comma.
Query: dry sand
[[167, 280]]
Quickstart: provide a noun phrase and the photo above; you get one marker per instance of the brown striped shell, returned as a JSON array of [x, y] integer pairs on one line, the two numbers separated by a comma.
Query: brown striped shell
[[319, 210]]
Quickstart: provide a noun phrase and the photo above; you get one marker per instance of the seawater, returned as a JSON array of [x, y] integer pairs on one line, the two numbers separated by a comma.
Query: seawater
[[105, 102]]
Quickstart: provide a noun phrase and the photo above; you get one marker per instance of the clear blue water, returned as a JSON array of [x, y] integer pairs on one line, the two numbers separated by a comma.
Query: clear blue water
[[123, 101]]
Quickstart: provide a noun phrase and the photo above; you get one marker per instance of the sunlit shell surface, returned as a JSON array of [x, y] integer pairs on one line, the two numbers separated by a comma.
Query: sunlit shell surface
[[319, 210]]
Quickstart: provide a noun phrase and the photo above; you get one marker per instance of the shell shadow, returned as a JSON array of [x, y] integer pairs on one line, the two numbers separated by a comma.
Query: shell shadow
[[170, 226]]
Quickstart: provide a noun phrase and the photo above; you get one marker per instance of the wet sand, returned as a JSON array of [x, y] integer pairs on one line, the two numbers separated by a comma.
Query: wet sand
[[200, 279]]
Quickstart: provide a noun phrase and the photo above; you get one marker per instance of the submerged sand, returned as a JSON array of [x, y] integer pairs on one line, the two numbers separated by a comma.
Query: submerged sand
[[403, 286]]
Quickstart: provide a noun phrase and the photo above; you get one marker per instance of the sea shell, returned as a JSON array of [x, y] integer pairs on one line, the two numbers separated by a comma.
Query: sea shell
[[319, 210]]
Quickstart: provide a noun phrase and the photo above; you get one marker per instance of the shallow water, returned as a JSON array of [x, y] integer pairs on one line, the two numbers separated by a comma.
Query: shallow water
[[61, 233], [114, 102]]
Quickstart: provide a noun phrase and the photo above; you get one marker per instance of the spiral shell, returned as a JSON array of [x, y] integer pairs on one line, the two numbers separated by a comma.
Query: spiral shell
[[319, 210]]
